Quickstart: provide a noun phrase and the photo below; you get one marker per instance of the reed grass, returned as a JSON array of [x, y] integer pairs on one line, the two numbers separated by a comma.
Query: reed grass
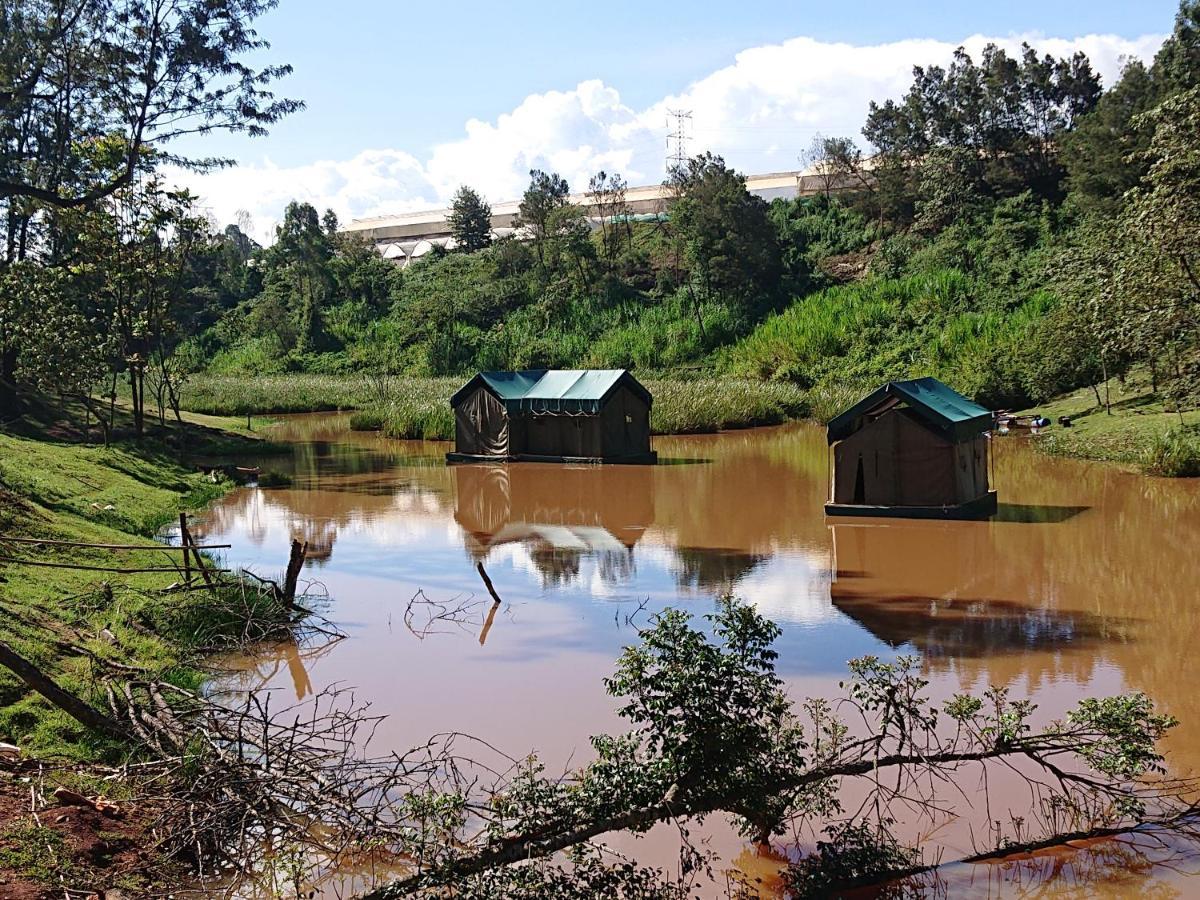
[[1173, 454], [419, 408]]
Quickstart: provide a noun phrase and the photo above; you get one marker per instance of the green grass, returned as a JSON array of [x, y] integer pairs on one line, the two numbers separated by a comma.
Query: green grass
[[419, 408], [123, 494], [716, 404], [1140, 431], [33, 851], [239, 395]]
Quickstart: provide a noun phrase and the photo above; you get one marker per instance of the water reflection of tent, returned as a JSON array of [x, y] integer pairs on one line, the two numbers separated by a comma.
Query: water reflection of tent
[[560, 514], [911, 448], [935, 587]]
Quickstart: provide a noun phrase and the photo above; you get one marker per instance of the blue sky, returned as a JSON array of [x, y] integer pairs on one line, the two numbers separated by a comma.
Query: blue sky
[[577, 86]]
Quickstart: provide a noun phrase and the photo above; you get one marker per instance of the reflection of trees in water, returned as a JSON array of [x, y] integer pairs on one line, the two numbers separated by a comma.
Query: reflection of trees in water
[[557, 567], [615, 566], [315, 461], [703, 569], [560, 567]]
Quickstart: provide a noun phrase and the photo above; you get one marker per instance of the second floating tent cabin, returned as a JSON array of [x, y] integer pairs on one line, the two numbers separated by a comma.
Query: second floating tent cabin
[[912, 449], [553, 415]]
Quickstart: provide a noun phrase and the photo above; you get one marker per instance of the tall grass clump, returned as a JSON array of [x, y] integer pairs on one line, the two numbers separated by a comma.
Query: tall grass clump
[[804, 341], [239, 395], [415, 417], [832, 397], [1174, 453], [711, 404]]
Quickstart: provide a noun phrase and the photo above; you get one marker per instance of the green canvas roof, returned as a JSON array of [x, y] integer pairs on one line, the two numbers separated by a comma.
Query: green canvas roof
[[554, 390], [937, 405]]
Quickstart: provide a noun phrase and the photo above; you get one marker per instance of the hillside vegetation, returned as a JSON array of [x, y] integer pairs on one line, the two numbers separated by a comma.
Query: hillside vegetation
[[1013, 227]]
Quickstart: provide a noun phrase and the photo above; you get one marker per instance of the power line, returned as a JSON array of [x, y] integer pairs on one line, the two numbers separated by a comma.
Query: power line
[[681, 135]]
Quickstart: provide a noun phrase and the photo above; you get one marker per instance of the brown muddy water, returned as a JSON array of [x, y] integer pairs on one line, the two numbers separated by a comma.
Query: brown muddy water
[[1085, 583]]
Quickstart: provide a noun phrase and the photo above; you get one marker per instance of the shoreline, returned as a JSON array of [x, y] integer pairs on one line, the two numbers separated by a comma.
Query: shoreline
[[104, 611]]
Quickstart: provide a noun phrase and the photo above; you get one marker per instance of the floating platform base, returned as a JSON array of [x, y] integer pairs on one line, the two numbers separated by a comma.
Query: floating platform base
[[980, 508], [641, 459]]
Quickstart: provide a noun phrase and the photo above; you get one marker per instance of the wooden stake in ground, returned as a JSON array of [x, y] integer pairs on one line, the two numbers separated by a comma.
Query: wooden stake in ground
[[295, 564], [187, 563], [185, 537], [64, 700]]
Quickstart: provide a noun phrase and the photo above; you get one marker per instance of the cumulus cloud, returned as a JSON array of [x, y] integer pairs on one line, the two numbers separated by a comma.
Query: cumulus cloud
[[761, 112]]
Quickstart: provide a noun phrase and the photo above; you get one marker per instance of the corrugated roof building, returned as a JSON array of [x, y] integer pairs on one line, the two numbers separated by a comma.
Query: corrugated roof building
[[553, 415]]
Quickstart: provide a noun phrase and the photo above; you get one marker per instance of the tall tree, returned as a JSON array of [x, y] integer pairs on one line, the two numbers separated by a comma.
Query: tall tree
[[1010, 112], [1160, 277], [545, 194], [1104, 154], [91, 91], [300, 258], [470, 220], [728, 241], [130, 258], [607, 195]]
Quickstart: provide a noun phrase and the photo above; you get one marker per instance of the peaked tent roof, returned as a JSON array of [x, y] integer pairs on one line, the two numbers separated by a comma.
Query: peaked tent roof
[[937, 405], [554, 390]]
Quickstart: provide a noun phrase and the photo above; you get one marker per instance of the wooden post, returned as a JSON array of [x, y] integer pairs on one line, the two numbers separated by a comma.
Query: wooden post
[[186, 536], [295, 564], [183, 540], [487, 582]]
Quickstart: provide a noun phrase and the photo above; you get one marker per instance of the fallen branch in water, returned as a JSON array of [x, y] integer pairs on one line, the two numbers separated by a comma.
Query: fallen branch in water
[[456, 611], [487, 582]]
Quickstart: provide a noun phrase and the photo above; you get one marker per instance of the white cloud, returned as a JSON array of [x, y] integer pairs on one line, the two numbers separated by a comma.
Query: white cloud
[[760, 113]]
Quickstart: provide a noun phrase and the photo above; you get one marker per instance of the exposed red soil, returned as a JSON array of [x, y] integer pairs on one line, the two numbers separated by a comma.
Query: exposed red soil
[[97, 850]]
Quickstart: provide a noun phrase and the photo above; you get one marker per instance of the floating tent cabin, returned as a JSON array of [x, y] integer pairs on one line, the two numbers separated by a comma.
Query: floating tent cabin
[[551, 415], [914, 449]]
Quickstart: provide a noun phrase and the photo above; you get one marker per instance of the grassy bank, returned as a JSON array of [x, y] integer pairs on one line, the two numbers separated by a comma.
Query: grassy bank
[[87, 629], [67, 620], [1140, 430], [419, 407]]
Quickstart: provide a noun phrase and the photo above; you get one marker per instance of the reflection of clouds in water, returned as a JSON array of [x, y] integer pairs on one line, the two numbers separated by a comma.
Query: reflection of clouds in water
[[791, 587]]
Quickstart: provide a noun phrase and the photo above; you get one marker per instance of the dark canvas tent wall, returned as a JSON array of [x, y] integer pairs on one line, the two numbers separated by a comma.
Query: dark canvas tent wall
[[594, 414], [908, 447]]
